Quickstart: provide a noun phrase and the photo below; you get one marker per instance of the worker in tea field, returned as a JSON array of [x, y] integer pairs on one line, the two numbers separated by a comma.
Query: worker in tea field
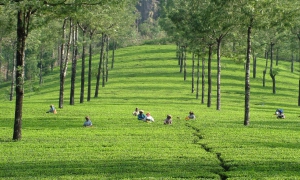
[[87, 122], [141, 116], [149, 118], [135, 112], [190, 116], [168, 120], [52, 109], [279, 113]]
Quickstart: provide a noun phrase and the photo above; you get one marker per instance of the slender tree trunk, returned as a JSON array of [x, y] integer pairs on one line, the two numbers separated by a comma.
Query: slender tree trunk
[[41, 67], [193, 73], [8, 62], [64, 62], [113, 54], [7, 68], [90, 68], [184, 63], [178, 52], [292, 62], [74, 64], [198, 75], [209, 75], [298, 35], [6, 74], [272, 74], [104, 61], [59, 58], [277, 56], [107, 57], [22, 27], [247, 76], [254, 65], [203, 80], [219, 73], [265, 70], [53, 57], [99, 67], [82, 66], [181, 58]]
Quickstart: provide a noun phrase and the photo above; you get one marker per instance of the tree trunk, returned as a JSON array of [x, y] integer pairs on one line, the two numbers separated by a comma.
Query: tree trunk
[[74, 64], [203, 80], [113, 54], [107, 57], [292, 62], [209, 75], [198, 76], [41, 67], [82, 65], [64, 62], [104, 65], [247, 76], [254, 65], [1, 53], [265, 70], [90, 68], [298, 35], [193, 73], [219, 73], [99, 67], [277, 56], [184, 63], [272, 74], [181, 59], [7, 68], [22, 27], [178, 52]]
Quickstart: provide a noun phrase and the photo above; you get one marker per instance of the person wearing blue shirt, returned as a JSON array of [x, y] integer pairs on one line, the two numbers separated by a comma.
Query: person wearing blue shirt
[[141, 116], [87, 122], [279, 113], [52, 109]]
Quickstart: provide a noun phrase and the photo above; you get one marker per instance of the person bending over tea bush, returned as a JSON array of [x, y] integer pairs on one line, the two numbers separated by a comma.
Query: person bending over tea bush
[[135, 112], [141, 116], [279, 113], [190, 116], [52, 109], [87, 122], [149, 118], [168, 120]]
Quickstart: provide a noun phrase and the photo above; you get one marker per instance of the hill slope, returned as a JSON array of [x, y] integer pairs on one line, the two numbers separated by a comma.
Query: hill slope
[[215, 145]]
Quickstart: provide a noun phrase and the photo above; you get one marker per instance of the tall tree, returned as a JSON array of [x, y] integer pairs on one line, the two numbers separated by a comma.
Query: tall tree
[[295, 29], [23, 20], [91, 33], [100, 66], [64, 55], [257, 15], [24, 12], [84, 29], [74, 37]]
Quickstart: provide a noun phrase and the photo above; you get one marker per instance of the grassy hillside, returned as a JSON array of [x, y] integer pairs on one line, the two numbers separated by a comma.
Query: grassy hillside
[[214, 146]]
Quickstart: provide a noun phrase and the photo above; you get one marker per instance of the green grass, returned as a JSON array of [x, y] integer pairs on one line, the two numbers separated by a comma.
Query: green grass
[[118, 146]]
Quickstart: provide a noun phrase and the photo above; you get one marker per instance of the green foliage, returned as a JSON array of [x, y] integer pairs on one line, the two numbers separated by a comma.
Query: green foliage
[[215, 145], [149, 29], [160, 41]]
